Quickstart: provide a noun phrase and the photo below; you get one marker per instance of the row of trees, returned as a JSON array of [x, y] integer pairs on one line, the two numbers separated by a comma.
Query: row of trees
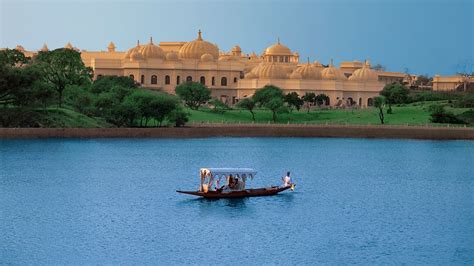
[[59, 78], [270, 97]]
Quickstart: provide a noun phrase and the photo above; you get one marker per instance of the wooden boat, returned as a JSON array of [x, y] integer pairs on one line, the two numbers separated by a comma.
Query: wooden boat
[[210, 177]]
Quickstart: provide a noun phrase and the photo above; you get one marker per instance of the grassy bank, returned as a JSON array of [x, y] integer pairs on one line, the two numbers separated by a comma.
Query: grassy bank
[[411, 114]]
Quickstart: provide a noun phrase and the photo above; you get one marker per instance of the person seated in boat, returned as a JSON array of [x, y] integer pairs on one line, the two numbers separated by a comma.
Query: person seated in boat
[[230, 185], [286, 180]]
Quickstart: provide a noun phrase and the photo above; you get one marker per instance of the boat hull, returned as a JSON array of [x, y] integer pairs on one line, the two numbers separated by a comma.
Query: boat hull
[[257, 192]]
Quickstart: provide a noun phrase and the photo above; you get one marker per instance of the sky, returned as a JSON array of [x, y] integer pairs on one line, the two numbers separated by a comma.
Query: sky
[[421, 36]]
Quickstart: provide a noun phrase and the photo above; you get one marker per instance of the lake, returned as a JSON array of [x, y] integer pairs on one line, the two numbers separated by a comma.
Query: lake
[[362, 201]]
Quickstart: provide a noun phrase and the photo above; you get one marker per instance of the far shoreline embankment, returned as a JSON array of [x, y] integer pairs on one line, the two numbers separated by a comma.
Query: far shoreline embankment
[[205, 130]]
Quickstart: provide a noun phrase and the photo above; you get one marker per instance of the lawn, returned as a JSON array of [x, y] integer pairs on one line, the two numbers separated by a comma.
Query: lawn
[[412, 114]]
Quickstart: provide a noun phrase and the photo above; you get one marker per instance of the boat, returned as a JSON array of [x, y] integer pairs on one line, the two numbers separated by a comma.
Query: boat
[[235, 187]]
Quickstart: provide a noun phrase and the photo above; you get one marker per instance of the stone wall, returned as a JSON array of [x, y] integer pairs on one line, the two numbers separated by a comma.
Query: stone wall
[[221, 130]]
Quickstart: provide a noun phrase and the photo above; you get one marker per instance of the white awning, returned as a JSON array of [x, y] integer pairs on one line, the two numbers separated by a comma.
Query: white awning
[[230, 171]]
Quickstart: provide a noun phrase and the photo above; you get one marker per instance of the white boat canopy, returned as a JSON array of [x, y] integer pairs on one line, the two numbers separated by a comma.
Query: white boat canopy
[[218, 172]]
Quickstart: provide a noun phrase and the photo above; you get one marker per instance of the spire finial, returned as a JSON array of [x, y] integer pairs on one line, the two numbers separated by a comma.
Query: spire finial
[[199, 35], [278, 39], [138, 42], [332, 62], [151, 40], [308, 60]]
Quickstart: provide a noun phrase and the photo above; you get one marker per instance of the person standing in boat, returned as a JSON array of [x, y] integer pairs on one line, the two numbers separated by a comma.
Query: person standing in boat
[[286, 180]]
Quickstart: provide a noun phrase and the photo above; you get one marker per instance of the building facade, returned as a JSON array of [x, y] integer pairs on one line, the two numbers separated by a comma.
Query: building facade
[[235, 75]]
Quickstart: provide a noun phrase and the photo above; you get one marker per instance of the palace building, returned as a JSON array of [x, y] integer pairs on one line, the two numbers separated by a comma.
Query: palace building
[[235, 75]]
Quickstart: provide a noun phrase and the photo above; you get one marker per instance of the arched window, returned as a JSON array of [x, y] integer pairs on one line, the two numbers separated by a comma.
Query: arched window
[[213, 81], [142, 80], [223, 81], [370, 102], [189, 79], [131, 76], [154, 79], [235, 80], [203, 80], [167, 80], [178, 80]]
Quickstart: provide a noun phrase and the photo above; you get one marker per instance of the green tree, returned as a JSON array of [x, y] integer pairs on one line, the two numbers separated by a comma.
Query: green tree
[[248, 104], [162, 106], [178, 117], [218, 106], [394, 93], [379, 103], [194, 94], [271, 98], [440, 115], [308, 98], [293, 100], [321, 99], [107, 83], [13, 57], [63, 67], [20, 86]]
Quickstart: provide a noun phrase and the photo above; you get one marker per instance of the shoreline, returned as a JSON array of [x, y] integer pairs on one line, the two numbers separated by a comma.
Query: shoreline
[[249, 130]]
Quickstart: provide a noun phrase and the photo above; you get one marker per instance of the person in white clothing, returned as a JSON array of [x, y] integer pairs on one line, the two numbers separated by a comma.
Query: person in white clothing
[[286, 180]]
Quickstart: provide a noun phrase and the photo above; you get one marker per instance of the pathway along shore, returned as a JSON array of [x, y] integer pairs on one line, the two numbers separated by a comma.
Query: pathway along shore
[[249, 130]]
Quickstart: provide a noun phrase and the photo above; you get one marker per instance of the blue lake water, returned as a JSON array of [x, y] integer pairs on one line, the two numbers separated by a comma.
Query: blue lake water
[[357, 201]]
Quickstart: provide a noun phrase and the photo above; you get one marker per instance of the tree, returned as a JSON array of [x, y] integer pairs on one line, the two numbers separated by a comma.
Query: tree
[[379, 102], [218, 106], [107, 83], [194, 94], [248, 104], [270, 97], [13, 57], [394, 93], [63, 67], [308, 98], [162, 105], [178, 117], [440, 115], [423, 80], [293, 100], [19, 85], [321, 99]]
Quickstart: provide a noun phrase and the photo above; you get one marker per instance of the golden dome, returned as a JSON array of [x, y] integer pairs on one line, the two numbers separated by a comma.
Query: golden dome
[[195, 49], [134, 53], [207, 57], [332, 73], [364, 74], [278, 49], [308, 71], [151, 50], [270, 71], [295, 75], [171, 56]]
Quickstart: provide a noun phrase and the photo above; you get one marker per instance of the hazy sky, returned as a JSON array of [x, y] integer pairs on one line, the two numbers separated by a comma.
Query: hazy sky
[[427, 37]]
